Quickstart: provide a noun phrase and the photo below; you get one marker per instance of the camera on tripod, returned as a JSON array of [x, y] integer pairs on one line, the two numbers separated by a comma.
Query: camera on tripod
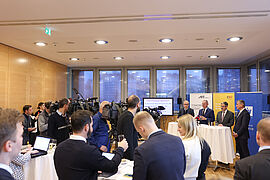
[[155, 113], [89, 104]]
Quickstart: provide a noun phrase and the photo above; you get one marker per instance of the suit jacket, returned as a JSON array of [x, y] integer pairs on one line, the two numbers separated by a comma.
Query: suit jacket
[[75, 159], [5, 175], [183, 112], [126, 127], [205, 154], [241, 125], [228, 118], [209, 114], [160, 157], [254, 167]]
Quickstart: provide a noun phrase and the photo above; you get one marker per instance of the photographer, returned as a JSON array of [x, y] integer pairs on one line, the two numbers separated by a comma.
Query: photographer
[[126, 127], [58, 123], [100, 136]]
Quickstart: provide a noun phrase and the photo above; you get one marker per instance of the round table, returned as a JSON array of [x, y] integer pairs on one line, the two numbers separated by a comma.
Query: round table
[[219, 139]]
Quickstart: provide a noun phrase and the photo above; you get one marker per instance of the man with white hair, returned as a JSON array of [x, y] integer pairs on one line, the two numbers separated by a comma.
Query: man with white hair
[[161, 156], [100, 135], [185, 109]]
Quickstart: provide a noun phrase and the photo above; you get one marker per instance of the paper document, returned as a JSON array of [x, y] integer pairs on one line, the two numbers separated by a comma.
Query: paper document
[[108, 155]]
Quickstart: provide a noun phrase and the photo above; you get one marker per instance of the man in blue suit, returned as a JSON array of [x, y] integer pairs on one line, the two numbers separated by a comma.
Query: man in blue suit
[[100, 135], [161, 156], [206, 115]]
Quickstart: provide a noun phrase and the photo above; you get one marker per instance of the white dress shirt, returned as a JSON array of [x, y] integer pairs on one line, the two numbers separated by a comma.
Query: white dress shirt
[[76, 137], [263, 148], [240, 111], [6, 167]]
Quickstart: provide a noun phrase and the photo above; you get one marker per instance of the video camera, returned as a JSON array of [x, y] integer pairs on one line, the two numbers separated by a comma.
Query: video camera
[[89, 104], [155, 113]]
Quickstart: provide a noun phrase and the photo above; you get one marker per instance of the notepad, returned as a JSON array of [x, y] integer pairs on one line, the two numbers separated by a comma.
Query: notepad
[[108, 155]]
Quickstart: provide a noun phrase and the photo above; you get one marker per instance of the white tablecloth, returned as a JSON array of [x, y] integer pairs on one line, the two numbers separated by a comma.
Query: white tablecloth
[[218, 138], [40, 168]]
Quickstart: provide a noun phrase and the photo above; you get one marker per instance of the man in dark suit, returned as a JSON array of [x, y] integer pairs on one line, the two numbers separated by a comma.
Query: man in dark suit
[[75, 159], [206, 115], [257, 167], [225, 117], [240, 130], [125, 125], [11, 131], [161, 156], [185, 110]]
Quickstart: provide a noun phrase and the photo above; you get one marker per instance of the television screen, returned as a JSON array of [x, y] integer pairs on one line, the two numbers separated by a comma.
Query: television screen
[[167, 103]]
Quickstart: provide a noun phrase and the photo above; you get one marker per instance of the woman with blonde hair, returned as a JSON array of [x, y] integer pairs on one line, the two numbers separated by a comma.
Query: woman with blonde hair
[[197, 150]]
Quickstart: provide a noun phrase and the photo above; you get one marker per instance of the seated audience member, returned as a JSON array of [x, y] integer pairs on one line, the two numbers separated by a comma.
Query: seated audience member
[[225, 117], [41, 107], [194, 147], [126, 127], [43, 119], [206, 115], [186, 110], [58, 123], [161, 156], [11, 131], [75, 159], [100, 135], [256, 167], [28, 126], [17, 164]]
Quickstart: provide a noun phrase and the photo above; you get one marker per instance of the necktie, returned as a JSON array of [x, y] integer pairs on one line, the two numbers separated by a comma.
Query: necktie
[[222, 117]]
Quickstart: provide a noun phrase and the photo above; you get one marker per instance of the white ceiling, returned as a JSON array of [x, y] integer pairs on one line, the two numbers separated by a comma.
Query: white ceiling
[[22, 23]]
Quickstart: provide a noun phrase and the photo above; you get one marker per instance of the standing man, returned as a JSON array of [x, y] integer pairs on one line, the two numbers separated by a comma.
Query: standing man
[[58, 123], [206, 115], [225, 117], [186, 110], [75, 159], [11, 131], [43, 119], [161, 156], [240, 130], [28, 125], [100, 135], [257, 167], [125, 125]]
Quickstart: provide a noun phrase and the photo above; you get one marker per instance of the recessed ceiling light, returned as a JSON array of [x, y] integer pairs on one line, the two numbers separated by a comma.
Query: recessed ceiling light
[[234, 39], [165, 57], [166, 40], [41, 44], [74, 59], [213, 56], [118, 58], [101, 42]]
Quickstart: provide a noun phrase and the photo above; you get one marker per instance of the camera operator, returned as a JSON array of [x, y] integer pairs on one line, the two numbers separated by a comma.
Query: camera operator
[[126, 127], [100, 136], [58, 123], [43, 119]]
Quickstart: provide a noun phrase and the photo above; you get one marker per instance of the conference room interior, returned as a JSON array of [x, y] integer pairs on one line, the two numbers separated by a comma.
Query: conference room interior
[[114, 49]]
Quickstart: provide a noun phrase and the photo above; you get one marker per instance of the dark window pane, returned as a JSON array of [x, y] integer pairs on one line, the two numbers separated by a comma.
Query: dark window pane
[[110, 86], [138, 83], [197, 81], [228, 80], [252, 78], [265, 85], [83, 82], [168, 85]]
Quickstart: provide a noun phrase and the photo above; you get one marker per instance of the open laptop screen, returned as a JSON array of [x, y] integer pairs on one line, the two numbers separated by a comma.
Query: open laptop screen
[[42, 143]]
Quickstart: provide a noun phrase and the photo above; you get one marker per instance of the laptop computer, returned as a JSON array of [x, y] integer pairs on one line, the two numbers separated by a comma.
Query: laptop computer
[[41, 145]]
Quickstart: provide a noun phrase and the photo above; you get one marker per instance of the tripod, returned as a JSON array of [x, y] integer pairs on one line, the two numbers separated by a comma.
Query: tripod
[[113, 136]]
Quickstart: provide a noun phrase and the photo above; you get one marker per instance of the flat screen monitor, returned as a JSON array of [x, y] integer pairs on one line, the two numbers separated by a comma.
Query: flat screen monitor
[[167, 103]]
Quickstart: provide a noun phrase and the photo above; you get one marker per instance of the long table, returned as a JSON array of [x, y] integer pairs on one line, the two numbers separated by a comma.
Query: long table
[[219, 139]]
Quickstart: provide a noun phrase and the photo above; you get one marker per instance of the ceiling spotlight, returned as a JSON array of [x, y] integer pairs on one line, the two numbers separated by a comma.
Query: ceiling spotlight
[[101, 42], [118, 58], [234, 39], [165, 57], [166, 40], [74, 59], [41, 44], [213, 56]]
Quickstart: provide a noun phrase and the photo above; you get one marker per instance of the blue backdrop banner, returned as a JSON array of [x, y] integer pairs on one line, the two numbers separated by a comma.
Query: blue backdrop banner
[[253, 103]]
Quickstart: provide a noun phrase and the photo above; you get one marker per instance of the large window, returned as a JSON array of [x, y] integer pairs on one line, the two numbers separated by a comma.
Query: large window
[[252, 78], [228, 80], [265, 85], [83, 82], [138, 83], [168, 85], [110, 86], [197, 81]]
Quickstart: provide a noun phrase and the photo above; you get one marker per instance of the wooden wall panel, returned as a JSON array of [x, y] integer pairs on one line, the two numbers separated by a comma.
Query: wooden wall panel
[[29, 79]]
